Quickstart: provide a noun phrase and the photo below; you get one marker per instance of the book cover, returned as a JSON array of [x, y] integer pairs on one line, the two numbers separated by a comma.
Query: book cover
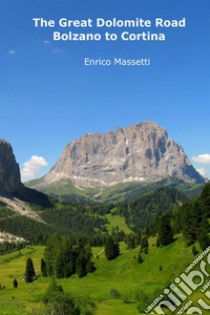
[[104, 157]]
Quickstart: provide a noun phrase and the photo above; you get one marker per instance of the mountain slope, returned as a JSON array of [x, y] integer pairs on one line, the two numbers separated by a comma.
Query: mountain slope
[[141, 154], [9, 169], [17, 201], [10, 182], [145, 210]]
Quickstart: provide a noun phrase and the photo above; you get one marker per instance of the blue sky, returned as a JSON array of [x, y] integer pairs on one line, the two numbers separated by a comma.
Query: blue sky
[[49, 98]]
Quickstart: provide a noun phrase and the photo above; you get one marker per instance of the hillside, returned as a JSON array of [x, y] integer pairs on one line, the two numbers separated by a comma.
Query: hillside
[[121, 192], [35, 223], [145, 210], [120, 283]]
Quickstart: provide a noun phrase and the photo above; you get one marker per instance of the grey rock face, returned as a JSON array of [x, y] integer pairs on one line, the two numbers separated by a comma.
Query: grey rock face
[[139, 153], [9, 169]]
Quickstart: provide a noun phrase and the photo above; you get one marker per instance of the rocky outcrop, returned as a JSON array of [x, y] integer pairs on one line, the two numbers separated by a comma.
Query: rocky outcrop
[[139, 153], [9, 169]]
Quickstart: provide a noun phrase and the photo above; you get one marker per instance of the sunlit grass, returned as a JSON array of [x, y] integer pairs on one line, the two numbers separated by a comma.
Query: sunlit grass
[[123, 274]]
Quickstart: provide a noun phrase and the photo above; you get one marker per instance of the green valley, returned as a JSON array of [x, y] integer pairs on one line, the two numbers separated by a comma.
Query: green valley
[[122, 285]]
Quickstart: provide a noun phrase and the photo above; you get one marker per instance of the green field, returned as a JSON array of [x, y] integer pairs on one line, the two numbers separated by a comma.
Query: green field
[[123, 275], [117, 221]]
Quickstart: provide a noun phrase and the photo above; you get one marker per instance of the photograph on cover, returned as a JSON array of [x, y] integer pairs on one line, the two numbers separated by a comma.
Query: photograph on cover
[[104, 157]]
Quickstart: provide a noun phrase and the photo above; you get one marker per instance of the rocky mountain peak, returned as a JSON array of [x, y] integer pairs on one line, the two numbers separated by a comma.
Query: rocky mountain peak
[[139, 153], [9, 169]]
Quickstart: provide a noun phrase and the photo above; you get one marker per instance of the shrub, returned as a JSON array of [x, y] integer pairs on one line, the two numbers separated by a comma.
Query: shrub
[[114, 294]]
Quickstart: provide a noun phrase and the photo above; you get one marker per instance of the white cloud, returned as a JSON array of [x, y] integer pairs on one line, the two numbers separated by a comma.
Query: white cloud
[[202, 158], [32, 167], [202, 171], [11, 52]]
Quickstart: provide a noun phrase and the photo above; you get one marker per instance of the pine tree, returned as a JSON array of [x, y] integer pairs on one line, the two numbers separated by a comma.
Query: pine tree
[[193, 219], [59, 265], [29, 272], [43, 268], [165, 232], [144, 244], [90, 266], [140, 259], [205, 197], [51, 251], [70, 256], [112, 249], [15, 283], [81, 265], [70, 263], [131, 240]]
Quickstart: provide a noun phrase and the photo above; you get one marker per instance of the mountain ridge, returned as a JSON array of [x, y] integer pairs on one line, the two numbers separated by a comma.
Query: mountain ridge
[[13, 194], [140, 153], [9, 169]]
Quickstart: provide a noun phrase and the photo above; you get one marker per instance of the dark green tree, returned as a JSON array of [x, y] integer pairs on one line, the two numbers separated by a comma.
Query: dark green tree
[[30, 271], [65, 257], [70, 253], [131, 240], [205, 197], [204, 240], [140, 259], [81, 265], [43, 268], [70, 263], [144, 244], [59, 265], [51, 251], [15, 283], [194, 220], [112, 248], [90, 266], [188, 223], [165, 231]]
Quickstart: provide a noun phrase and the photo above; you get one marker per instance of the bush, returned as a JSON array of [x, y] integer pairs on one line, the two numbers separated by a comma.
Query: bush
[[114, 294], [60, 303], [143, 301], [85, 306], [127, 299]]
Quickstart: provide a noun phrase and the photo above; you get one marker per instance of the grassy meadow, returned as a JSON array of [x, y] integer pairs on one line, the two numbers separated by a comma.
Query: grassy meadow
[[116, 286]]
